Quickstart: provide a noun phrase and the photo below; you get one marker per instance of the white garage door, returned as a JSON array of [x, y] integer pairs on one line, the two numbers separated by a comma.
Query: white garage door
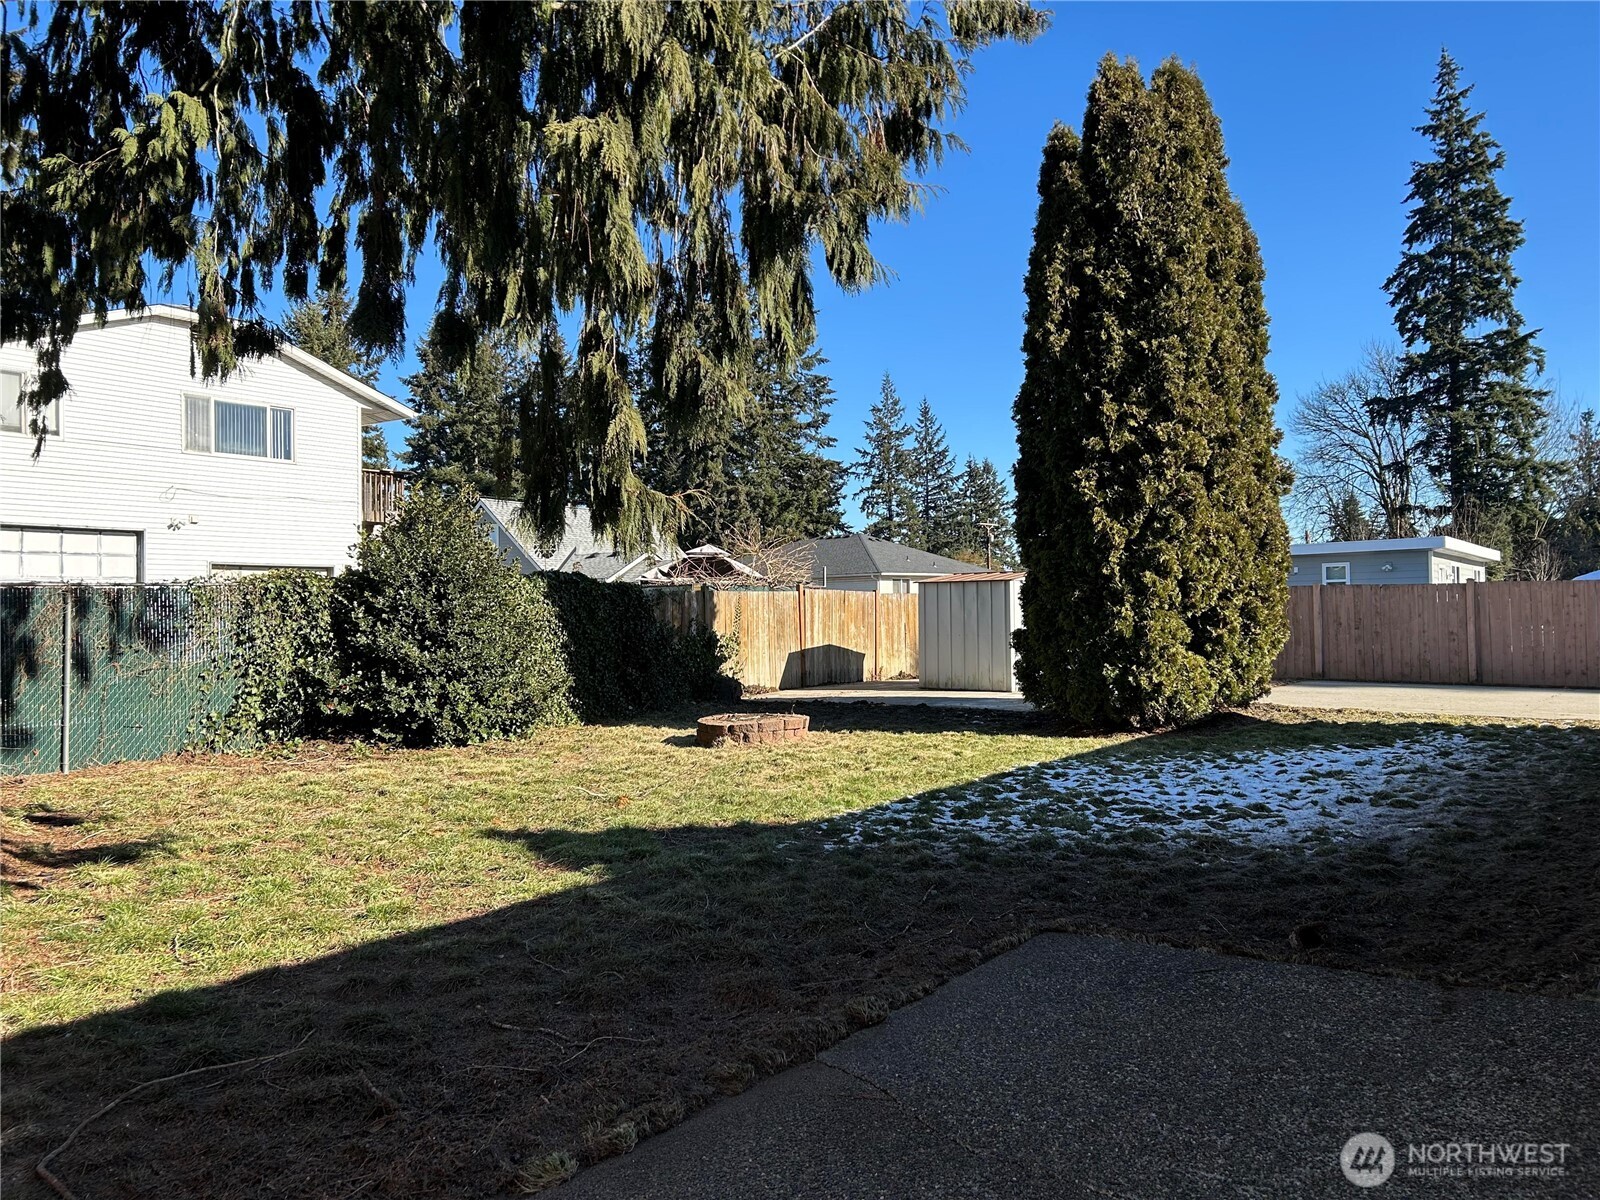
[[29, 555]]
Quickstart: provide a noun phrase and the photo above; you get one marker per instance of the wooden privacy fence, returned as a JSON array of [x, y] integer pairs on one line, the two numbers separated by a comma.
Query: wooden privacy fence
[[804, 637], [1511, 634]]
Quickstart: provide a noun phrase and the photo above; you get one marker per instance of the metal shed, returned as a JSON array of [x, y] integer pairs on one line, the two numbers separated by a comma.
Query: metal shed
[[964, 628]]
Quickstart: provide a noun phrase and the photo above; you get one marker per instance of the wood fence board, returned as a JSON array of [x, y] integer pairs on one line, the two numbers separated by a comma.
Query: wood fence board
[[1533, 634], [790, 639]]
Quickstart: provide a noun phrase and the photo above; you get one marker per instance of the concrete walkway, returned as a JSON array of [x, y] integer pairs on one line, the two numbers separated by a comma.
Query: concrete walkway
[[1423, 699], [1093, 1067], [895, 691], [1543, 704]]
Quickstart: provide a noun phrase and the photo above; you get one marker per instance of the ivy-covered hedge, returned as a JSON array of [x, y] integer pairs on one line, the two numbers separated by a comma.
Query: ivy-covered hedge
[[276, 634], [432, 639], [622, 659]]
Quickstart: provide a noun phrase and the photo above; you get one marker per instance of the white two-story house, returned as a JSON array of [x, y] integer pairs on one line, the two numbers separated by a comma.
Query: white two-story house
[[150, 474]]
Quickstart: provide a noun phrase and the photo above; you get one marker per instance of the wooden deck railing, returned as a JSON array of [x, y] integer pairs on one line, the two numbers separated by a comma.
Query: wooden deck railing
[[381, 493]]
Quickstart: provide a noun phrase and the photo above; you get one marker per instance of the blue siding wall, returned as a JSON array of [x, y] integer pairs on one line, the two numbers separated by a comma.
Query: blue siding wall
[[1410, 566]]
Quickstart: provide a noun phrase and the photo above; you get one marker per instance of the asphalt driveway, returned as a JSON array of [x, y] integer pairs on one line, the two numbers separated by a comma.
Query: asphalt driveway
[[1096, 1067]]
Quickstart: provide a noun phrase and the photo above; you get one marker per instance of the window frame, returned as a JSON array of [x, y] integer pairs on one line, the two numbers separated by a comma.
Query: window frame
[[267, 407], [61, 553], [1345, 582], [53, 413]]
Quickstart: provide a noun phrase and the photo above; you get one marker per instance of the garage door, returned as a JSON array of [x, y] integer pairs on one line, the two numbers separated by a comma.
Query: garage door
[[31, 555]]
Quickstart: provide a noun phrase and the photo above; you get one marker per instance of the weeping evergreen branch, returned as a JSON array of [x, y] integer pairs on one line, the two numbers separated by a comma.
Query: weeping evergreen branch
[[649, 175]]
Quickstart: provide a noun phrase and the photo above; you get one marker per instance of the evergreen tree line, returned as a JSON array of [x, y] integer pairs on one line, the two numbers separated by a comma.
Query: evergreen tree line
[[1453, 432], [764, 472], [912, 492]]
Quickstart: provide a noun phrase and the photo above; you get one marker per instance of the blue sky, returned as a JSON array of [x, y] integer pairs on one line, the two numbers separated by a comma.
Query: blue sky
[[1317, 103]]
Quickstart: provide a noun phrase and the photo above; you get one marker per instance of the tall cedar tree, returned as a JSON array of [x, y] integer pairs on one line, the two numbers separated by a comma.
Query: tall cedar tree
[[983, 517], [766, 468], [321, 326], [1147, 483], [1466, 372], [468, 429], [883, 465], [931, 472], [1575, 535], [633, 168]]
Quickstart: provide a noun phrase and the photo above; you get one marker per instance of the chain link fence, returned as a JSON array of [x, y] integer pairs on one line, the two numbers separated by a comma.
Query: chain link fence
[[92, 675]]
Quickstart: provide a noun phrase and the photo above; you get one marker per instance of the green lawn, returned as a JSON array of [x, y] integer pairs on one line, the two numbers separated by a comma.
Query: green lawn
[[497, 962]]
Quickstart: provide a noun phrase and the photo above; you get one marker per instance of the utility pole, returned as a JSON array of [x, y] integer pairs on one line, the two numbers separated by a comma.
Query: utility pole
[[988, 528]]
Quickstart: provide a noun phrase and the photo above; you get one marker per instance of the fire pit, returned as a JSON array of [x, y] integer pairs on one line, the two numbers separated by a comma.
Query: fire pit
[[751, 729]]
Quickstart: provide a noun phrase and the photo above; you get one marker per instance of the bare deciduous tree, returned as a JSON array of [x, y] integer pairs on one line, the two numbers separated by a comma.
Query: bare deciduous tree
[[784, 562], [1352, 449]]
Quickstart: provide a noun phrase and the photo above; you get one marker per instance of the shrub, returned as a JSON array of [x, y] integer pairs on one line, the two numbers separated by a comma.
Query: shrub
[[439, 641], [622, 659], [277, 656]]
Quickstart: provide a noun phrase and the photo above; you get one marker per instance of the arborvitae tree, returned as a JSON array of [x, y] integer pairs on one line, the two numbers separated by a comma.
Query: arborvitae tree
[[469, 424], [767, 469], [884, 468], [1469, 363], [622, 168], [983, 517], [321, 326], [1147, 483], [931, 469]]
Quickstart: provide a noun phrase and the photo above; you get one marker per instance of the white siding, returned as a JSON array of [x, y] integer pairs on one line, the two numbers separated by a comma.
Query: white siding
[[1452, 569], [119, 462], [964, 634]]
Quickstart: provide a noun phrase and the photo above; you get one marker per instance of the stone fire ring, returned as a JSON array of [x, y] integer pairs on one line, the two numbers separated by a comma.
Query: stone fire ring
[[751, 729]]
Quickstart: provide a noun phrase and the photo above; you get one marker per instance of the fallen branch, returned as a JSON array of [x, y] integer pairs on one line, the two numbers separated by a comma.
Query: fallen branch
[[42, 1168]]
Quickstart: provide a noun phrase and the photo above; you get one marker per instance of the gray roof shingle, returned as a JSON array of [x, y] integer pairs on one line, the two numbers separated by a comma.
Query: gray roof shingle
[[857, 554]]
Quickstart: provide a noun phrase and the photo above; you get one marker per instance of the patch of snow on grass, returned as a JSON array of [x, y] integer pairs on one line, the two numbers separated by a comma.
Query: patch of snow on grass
[[1274, 796]]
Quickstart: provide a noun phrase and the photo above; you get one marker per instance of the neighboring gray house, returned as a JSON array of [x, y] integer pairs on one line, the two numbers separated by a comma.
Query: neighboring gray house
[[580, 549], [1391, 560], [859, 563]]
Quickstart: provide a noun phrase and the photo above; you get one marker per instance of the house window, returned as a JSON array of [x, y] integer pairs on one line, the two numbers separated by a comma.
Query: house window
[[33, 555], [16, 418], [1336, 572], [213, 426]]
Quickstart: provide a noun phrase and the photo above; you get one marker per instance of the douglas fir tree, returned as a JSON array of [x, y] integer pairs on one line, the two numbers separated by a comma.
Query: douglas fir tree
[[1467, 371]]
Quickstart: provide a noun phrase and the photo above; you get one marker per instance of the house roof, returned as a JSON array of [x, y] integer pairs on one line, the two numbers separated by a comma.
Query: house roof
[[376, 406], [707, 562], [1449, 545], [580, 548], [856, 555]]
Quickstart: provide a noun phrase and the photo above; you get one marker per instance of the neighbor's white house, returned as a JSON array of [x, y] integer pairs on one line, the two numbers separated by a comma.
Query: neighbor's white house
[[151, 474]]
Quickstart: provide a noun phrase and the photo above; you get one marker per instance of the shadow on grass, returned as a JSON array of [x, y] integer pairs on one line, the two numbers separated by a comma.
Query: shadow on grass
[[54, 859], [693, 959]]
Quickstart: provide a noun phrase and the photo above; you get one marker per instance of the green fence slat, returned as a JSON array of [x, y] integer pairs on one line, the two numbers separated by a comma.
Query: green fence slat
[[137, 664]]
